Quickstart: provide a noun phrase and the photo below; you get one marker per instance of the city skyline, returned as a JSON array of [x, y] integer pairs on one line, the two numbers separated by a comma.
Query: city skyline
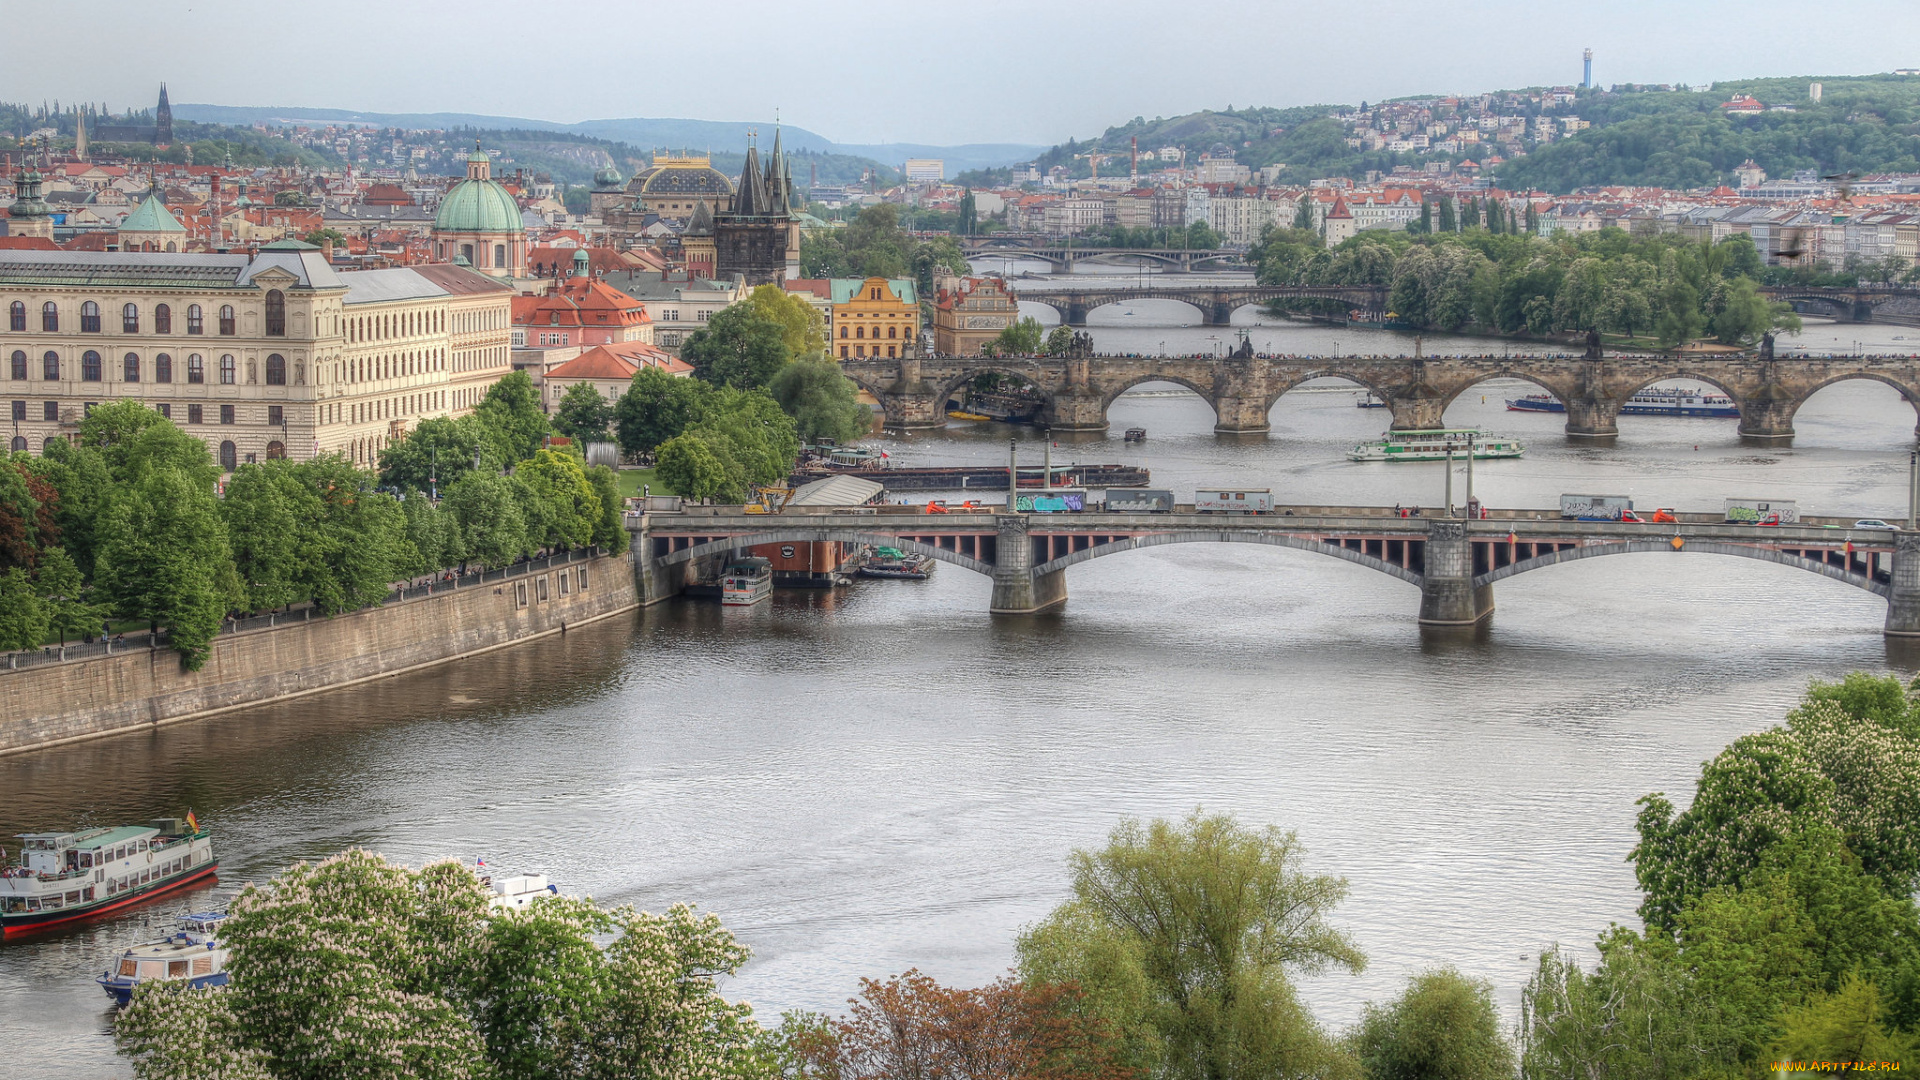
[[1192, 64]]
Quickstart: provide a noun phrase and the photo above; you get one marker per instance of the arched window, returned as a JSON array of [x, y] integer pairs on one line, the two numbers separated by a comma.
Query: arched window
[[89, 366], [19, 444], [226, 320], [843, 331], [162, 319], [226, 370], [19, 364], [276, 313], [860, 331], [229, 456], [89, 318], [50, 366], [499, 254], [16, 316], [466, 252], [49, 441], [893, 331], [195, 323], [196, 369], [276, 370], [130, 368], [130, 319], [163, 368], [276, 450], [49, 316]]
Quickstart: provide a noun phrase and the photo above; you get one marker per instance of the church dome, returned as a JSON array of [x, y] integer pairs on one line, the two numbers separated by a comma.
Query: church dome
[[476, 205], [673, 175], [608, 177]]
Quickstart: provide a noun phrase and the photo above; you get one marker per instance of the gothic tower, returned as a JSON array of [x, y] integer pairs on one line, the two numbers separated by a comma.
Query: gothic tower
[[163, 119], [759, 236]]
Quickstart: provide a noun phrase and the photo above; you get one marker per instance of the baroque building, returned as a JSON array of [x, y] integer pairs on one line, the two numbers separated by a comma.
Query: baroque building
[[263, 356], [479, 221], [970, 312]]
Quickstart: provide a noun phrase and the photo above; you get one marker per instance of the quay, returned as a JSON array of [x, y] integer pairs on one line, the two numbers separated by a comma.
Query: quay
[[1453, 562]]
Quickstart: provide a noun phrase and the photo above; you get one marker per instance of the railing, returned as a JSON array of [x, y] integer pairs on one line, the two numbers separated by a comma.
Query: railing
[[57, 654]]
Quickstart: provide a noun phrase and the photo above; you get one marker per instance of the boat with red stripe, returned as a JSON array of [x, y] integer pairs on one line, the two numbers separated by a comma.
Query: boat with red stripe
[[62, 878]]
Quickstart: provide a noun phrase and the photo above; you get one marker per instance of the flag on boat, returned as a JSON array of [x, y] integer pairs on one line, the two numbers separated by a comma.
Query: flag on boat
[[193, 823]]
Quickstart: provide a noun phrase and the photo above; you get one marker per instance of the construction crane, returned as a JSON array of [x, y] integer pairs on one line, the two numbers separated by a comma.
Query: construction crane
[[1094, 159]]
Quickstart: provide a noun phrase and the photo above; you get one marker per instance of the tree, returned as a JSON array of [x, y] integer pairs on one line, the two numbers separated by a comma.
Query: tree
[[656, 407], [1679, 321], [356, 967], [802, 329], [610, 528], [1020, 339], [1059, 340], [65, 596], [969, 214], [570, 505], [583, 414], [492, 525], [438, 452], [267, 513], [749, 428], [23, 618], [690, 469], [1850, 1024], [511, 416], [1447, 222], [322, 237], [824, 404], [164, 558], [1445, 1027], [737, 348], [1637, 1016], [1214, 916]]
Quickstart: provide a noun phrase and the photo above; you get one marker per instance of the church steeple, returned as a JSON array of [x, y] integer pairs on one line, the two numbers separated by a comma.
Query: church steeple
[[80, 134], [752, 195], [163, 118]]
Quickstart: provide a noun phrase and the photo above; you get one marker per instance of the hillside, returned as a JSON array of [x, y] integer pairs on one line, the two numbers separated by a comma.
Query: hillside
[[1675, 138]]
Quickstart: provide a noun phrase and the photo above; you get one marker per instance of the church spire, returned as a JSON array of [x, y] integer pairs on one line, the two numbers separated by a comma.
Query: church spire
[[751, 198]]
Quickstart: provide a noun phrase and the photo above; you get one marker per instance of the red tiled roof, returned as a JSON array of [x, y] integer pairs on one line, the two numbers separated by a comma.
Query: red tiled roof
[[27, 243]]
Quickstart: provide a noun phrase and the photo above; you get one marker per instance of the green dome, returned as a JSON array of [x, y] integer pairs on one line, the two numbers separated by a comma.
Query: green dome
[[477, 206], [608, 177]]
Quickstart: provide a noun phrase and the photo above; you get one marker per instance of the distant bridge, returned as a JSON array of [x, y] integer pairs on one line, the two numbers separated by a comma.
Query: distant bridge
[[1453, 562], [1065, 255], [1216, 303], [1898, 304], [1242, 390]]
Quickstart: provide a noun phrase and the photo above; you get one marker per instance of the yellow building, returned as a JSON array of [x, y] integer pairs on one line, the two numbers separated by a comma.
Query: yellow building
[[874, 317]]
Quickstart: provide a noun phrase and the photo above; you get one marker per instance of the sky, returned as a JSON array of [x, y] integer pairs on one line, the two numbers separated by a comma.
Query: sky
[[1025, 71]]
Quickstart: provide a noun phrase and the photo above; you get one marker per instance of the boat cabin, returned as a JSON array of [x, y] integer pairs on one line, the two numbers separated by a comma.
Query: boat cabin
[[60, 853]]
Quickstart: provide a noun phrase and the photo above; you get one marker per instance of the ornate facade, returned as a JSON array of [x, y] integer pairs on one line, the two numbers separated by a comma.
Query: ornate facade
[[479, 221], [970, 312]]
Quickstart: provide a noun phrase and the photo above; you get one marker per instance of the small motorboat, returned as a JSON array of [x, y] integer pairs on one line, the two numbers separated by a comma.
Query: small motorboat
[[1136, 434], [192, 954]]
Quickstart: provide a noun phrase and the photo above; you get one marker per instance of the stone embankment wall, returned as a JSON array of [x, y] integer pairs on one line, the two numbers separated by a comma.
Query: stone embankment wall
[[48, 704]]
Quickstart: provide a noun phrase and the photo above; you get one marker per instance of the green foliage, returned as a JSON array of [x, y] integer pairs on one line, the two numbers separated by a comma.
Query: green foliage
[[511, 416], [1850, 1024], [438, 452], [749, 428], [1445, 1027], [1197, 925], [802, 328], [23, 618], [656, 407], [1636, 1017], [65, 596], [609, 529], [875, 244], [584, 414], [1059, 340], [689, 467], [570, 505], [164, 558], [738, 347], [315, 531], [491, 525], [1020, 339], [824, 403]]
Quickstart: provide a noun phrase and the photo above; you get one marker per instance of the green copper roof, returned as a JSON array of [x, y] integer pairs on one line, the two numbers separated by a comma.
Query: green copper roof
[[289, 245], [152, 216], [845, 288], [478, 206]]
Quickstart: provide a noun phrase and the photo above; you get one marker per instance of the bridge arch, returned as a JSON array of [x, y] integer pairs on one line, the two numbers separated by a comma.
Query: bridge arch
[[983, 366], [806, 536], [1627, 547], [1838, 308], [1688, 373], [1111, 391], [1349, 375], [1908, 393], [1109, 299], [1561, 391], [1201, 536]]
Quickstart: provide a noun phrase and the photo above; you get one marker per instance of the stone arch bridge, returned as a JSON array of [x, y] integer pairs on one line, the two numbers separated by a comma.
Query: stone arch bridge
[[1860, 304], [1065, 256], [1216, 303], [1453, 562], [914, 391]]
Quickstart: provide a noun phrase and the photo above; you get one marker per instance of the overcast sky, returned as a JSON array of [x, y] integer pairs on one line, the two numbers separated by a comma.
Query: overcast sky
[[1035, 71]]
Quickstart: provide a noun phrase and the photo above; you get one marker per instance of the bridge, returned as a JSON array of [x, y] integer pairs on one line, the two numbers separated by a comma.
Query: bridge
[[1216, 303], [1453, 562], [1079, 390], [1867, 303], [1064, 255]]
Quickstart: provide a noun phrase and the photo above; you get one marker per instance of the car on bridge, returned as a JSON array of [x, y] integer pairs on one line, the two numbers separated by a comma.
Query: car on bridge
[[1872, 523]]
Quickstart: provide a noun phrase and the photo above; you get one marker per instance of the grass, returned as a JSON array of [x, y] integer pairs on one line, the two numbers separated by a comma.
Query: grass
[[631, 479]]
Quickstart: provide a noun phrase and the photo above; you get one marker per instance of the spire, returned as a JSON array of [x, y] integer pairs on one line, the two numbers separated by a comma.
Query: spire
[[163, 118], [701, 224], [751, 197], [80, 134]]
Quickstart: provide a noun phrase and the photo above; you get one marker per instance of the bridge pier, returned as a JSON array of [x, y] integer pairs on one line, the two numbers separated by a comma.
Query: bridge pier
[[1241, 414], [1075, 412], [1217, 313], [1017, 590], [911, 402], [1076, 314], [1767, 416], [1593, 418], [1417, 413], [1448, 596], [1903, 596]]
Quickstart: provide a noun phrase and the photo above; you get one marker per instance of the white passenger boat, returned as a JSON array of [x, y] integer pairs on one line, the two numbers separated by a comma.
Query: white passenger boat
[[1435, 445], [192, 955], [516, 892], [64, 877], [746, 581]]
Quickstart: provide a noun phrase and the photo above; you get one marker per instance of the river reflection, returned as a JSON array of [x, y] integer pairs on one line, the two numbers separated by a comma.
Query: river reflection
[[887, 776]]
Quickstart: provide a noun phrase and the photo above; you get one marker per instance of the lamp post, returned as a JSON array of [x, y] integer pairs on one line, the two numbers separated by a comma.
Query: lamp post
[[1470, 438], [1449, 478], [1913, 488], [1013, 475]]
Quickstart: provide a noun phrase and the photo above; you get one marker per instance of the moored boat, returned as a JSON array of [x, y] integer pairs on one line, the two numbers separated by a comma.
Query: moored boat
[[65, 877], [746, 581], [888, 562], [1649, 402], [1436, 445], [192, 954]]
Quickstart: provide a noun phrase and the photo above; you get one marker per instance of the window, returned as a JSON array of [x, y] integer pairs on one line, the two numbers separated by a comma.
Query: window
[[276, 451], [276, 313], [49, 410], [89, 318], [582, 572], [226, 320], [466, 252], [889, 350], [229, 456], [876, 294], [49, 316], [165, 409], [276, 416], [196, 414], [196, 369], [520, 594], [130, 368], [90, 366], [19, 410], [276, 370], [860, 331], [19, 364], [499, 254], [130, 319], [19, 444], [195, 324], [162, 319], [843, 331], [843, 352], [16, 316], [163, 368], [226, 414], [226, 369]]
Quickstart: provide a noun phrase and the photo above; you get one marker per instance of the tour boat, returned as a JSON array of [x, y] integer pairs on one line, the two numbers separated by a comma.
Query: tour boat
[[1369, 401], [746, 581], [517, 892], [1436, 445], [65, 877], [1650, 402], [192, 954]]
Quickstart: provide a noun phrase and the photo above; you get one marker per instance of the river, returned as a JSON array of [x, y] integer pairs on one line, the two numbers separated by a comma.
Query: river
[[887, 777]]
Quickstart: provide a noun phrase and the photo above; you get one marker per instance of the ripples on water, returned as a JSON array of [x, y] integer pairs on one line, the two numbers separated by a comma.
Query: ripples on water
[[887, 777]]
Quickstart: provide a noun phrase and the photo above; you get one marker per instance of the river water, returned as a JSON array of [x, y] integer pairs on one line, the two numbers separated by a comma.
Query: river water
[[886, 777]]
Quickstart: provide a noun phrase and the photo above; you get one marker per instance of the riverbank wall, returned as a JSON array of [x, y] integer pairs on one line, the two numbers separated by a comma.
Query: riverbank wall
[[49, 703]]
